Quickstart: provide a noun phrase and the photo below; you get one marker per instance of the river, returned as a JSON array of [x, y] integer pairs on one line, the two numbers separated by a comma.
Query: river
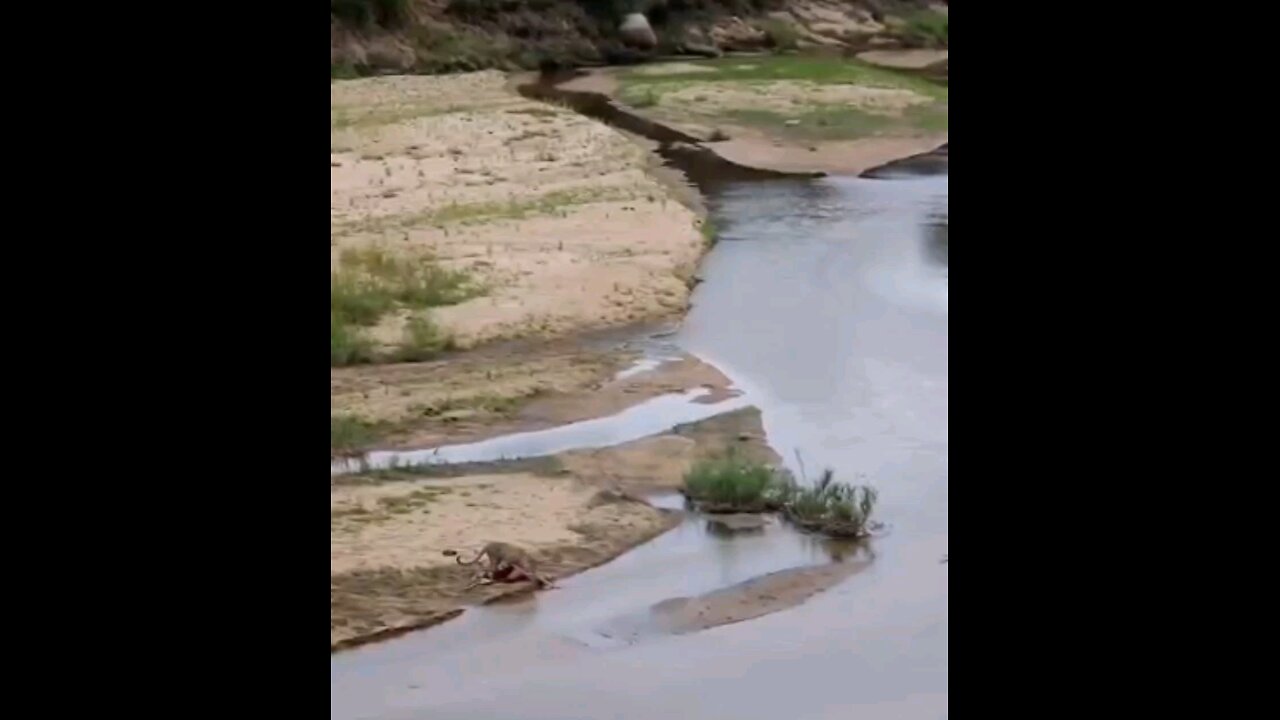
[[826, 301]]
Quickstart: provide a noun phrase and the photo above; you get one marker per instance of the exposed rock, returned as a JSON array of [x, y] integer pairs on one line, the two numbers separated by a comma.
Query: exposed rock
[[387, 53], [734, 34], [884, 42], [350, 53], [695, 48], [636, 32]]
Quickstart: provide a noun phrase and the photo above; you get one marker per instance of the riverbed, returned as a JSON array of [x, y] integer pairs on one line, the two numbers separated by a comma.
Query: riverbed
[[826, 303]]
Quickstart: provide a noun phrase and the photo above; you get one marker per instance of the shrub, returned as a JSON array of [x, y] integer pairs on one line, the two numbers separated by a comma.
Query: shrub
[[423, 340], [834, 508]]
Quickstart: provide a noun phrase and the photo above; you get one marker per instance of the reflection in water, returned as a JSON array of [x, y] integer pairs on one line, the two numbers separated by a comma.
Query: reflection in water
[[782, 208]]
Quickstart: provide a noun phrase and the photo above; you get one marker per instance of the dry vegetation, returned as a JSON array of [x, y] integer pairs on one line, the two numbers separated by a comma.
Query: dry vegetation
[[549, 220], [797, 98]]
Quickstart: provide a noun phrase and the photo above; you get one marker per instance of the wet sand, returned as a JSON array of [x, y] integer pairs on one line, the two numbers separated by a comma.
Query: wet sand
[[748, 600], [480, 395], [388, 530]]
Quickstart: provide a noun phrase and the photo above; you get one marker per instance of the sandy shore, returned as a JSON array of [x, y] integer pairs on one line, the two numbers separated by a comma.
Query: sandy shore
[[553, 214], [388, 531]]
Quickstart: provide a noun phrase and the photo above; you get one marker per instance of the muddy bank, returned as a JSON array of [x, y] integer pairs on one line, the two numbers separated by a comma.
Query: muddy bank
[[702, 164], [757, 597], [931, 162], [389, 529]]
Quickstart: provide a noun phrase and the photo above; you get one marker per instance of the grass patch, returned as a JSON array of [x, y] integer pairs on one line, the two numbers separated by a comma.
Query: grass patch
[[734, 484], [933, 118], [423, 340], [710, 233], [348, 434], [927, 28], [551, 203], [346, 345], [817, 123], [344, 71], [833, 508], [371, 283], [644, 98], [812, 69], [840, 122], [458, 408]]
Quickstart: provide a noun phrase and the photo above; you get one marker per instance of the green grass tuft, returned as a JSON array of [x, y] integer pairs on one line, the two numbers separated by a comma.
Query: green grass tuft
[[370, 283], [646, 98], [734, 484], [831, 507], [346, 345], [791, 67], [348, 434], [423, 340], [928, 28], [710, 233]]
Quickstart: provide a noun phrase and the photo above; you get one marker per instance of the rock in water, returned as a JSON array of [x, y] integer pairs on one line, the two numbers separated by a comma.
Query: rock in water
[[636, 31]]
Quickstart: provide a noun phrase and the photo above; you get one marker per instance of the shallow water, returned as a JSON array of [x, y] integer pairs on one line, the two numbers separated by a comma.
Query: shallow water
[[826, 302], [653, 416]]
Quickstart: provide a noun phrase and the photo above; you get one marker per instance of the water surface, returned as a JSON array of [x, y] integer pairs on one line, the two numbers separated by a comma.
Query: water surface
[[826, 302]]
